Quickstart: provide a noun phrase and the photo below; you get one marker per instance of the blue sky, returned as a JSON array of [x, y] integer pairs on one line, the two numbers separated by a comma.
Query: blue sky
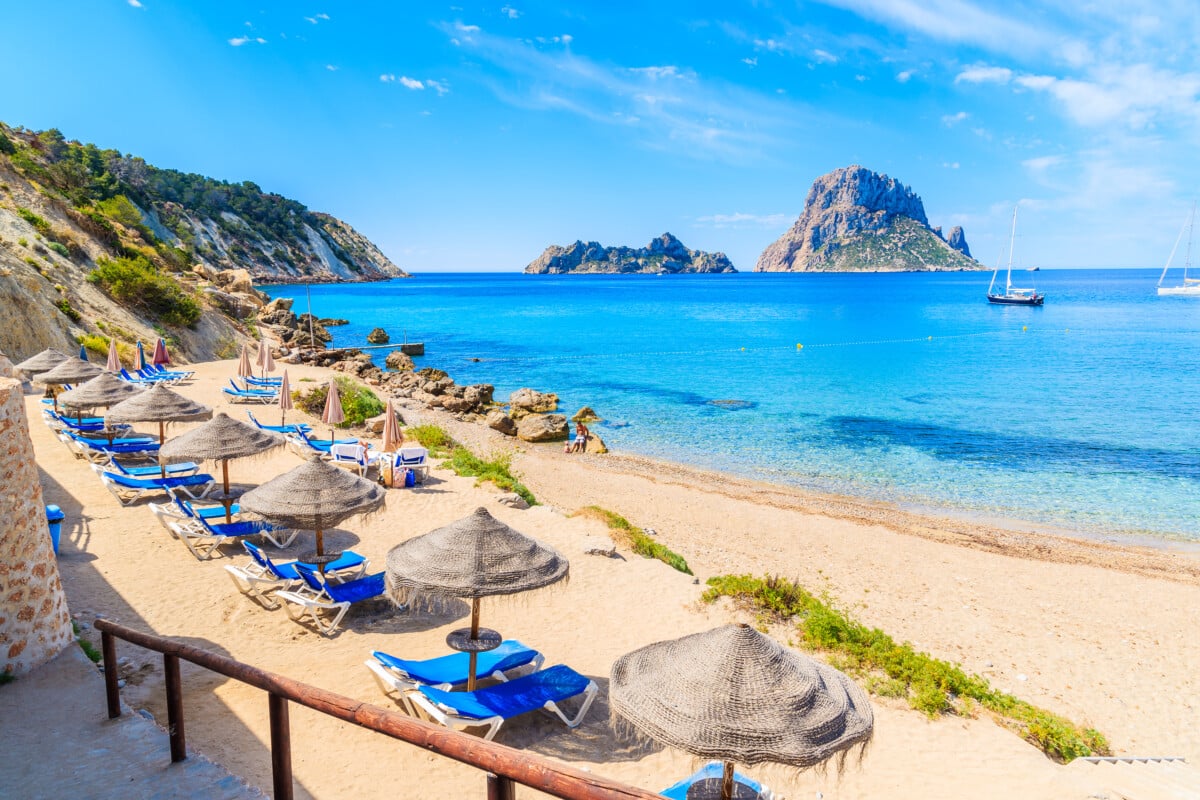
[[469, 137]]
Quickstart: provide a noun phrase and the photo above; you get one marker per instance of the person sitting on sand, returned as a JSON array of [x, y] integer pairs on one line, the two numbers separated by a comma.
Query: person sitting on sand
[[581, 436]]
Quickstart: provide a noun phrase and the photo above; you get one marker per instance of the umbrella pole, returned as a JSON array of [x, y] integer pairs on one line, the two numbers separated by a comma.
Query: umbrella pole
[[727, 782], [320, 542], [473, 657], [225, 478], [162, 435]]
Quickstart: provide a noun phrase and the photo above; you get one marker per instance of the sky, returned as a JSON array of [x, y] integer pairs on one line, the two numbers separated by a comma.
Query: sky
[[471, 136]]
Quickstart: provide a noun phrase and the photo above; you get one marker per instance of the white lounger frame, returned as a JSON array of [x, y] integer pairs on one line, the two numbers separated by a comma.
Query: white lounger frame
[[446, 716]]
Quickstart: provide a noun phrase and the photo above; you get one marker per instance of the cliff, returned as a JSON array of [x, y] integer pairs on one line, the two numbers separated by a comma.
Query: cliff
[[856, 220], [666, 254], [94, 244]]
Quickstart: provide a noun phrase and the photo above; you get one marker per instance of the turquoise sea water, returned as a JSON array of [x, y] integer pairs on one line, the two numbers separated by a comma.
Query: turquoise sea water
[[1083, 414]]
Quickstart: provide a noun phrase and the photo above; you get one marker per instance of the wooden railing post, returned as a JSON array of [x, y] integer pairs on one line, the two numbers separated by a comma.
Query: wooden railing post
[[500, 788], [281, 747], [108, 649], [175, 708]]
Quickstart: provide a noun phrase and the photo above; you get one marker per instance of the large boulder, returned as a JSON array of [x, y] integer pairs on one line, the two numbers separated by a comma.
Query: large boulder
[[542, 428], [499, 421], [479, 394], [238, 281], [431, 374], [278, 312], [378, 336], [399, 362], [585, 414], [528, 401], [595, 445]]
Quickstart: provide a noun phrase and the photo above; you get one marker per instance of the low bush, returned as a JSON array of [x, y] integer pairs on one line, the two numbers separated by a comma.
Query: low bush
[[136, 282], [432, 438], [64, 305], [358, 402], [635, 538], [88, 648], [497, 470], [39, 223], [929, 684], [60, 248]]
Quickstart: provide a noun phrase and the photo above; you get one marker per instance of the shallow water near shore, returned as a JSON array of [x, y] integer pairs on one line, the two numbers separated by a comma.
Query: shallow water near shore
[[908, 388]]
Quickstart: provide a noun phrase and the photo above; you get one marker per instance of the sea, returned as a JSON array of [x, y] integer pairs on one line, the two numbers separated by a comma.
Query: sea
[[1080, 416]]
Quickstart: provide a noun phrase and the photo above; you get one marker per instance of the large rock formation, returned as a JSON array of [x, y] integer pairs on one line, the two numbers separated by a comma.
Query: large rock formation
[[666, 254], [856, 220]]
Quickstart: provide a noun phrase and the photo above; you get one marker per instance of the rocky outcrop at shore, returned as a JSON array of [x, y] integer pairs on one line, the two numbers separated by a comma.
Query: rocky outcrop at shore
[[856, 220], [664, 255]]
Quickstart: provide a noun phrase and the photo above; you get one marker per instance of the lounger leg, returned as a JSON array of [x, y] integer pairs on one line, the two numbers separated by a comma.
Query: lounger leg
[[573, 722]]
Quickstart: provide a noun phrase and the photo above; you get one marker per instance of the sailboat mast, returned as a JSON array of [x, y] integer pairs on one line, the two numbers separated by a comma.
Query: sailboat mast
[[1187, 260], [1011, 240], [1178, 239]]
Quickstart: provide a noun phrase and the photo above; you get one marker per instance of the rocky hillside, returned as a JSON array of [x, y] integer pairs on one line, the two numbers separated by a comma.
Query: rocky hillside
[[856, 220], [666, 254], [95, 244]]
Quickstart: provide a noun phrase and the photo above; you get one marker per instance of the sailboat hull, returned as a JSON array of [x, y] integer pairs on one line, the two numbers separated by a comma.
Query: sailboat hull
[[1179, 291], [1026, 300]]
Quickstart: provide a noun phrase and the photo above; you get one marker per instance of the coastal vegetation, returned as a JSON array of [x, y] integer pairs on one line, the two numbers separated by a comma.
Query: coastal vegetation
[[893, 669], [86, 646], [496, 470], [359, 403], [136, 282], [625, 532]]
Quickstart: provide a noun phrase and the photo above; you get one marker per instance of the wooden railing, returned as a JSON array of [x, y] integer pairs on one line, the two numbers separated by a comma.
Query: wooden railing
[[505, 766]]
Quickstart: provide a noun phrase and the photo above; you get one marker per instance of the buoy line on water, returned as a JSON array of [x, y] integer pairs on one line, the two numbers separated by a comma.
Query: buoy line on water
[[799, 347]]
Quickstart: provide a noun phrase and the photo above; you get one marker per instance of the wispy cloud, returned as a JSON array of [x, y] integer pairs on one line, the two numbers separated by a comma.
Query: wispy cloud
[[331, 67], [410, 83], [956, 21], [905, 76], [316, 18], [950, 120], [753, 62], [510, 12], [742, 220], [441, 87], [824, 57], [984, 74], [136, 4], [238, 41]]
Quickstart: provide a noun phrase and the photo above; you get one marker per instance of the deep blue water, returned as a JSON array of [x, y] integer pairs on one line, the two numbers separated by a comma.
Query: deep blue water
[[1081, 414]]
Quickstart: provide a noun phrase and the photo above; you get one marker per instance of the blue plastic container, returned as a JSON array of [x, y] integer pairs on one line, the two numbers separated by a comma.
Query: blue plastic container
[[55, 516]]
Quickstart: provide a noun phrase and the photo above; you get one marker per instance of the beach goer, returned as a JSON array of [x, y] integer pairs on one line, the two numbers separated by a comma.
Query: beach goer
[[581, 436]]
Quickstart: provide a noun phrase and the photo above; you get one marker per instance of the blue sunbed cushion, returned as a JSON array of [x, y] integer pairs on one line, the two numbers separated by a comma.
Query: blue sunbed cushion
[[713, 769], [353, 591], [516, 697], [241, 528], [159, 483], [453, 668]]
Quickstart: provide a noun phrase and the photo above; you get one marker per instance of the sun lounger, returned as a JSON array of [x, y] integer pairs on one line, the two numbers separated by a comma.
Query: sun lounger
[[182, 374], [250, 395], [152, 470], [76, 424], [129, 490], [414, 458], [353, 456], [208, 531], [510, 660], [140, 381], [167, 513], [263, 575], [252, 382], [100, 452], [714, 770], [492, 705], [285, 429], [305, 447], [324, 596]]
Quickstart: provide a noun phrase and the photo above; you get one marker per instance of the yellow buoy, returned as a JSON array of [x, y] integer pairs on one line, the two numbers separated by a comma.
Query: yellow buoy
[[743, 349], [799, 347], [1024, 327], [931, 338]]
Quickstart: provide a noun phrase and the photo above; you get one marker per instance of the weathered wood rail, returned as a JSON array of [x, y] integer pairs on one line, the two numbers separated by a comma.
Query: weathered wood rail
[[505, 766]]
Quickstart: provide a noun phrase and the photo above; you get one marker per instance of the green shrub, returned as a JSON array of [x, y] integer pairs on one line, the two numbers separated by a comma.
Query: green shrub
[[358, 402], [432, 438], [60, 248], [23, 242], [33, 219], [135, 281], [6, 145], [121, 209], [635, 538], [498, 470], [87, 647], [64, 305], [929, 684]]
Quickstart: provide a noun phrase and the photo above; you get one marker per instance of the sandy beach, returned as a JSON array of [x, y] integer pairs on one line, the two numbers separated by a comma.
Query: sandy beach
[[1094, 631]]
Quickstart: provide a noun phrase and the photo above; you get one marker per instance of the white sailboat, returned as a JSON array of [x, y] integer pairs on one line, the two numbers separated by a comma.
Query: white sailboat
[[1190, 286], [1012, 296]]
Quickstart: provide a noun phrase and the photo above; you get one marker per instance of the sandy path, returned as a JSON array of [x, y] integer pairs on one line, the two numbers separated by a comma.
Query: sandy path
[[1103, 645]]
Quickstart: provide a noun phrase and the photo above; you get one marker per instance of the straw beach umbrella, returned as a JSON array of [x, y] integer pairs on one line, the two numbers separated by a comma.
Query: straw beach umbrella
[[44, 361], [158, 404], [474, 557], [113, 364], [314, 496], [285, 399], [220, 439], [333, 414], [265, 359], [734, 694], [71, 370], [101, 391]]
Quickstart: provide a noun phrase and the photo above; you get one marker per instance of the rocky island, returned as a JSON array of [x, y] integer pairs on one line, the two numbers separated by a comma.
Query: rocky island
[[856, 220], [664, 255]]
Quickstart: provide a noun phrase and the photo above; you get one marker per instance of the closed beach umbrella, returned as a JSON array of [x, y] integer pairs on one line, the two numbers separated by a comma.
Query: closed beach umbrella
[[114, 362], [141, 356], [285, 399], [158, 404], [392, 437], [734, 694], [265, 359], [44, 361], [70, 370], [220, 439], [333, 414], [474, 557], [314, 496], [83, 353], [244, 368], [161, 356]]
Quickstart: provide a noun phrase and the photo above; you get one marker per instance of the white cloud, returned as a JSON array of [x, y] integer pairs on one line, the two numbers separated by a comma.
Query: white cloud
[[824, 57], [438, 86], [241, 40], [952, 21], [950, 120], [510, 12], [566, 38], [950, 164], [317, 18], [984, 74], [655, 73], [410, 83], [461, 28], [136, 4], [860, 78], [331, 67], [1041, 163], [741, 220], [413, 83], [753, 62], [905, 76]]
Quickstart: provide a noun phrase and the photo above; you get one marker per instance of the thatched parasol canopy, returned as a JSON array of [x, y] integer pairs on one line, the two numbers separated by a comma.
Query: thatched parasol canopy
[[158, 404], [44, 361], [314, 496], [103, 390], [220, 439], [71, 370], [735, 694]]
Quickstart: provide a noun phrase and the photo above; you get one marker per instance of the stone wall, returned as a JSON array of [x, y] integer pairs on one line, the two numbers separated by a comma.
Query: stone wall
[[34, 622]]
